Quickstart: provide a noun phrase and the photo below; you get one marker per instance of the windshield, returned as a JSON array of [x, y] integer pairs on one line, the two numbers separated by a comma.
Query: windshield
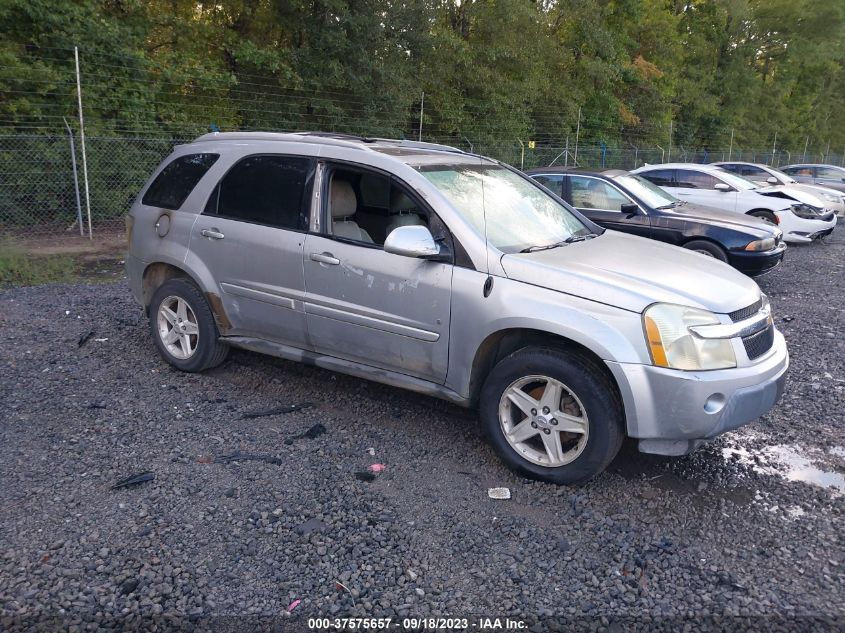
[[736, 181], [647, 191], [518, 214]]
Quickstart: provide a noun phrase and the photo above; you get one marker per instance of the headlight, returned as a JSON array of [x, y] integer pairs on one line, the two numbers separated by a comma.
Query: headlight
[[761, 245], [673, 345], [806, 211]]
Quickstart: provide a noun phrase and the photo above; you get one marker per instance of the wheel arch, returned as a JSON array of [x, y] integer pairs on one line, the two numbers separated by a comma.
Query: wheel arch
[[502, 343], [766, 211], [157, 273]]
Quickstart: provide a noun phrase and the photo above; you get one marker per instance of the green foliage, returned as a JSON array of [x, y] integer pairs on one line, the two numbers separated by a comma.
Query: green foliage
[[492, 71], [17, 268]]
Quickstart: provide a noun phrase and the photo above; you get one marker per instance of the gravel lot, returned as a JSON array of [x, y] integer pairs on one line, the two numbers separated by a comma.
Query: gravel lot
[[728, 531]]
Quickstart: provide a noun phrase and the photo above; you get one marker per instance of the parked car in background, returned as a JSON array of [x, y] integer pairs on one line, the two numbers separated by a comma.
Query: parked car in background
[[765, 176], [355, 254], [629, 203], [801, 216], [830, 176]]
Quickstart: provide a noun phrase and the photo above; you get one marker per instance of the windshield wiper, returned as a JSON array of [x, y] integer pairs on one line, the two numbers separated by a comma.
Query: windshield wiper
[[569, 240]]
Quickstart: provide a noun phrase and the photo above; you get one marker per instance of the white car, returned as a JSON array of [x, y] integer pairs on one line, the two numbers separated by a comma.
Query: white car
[[764, 176], [800, 215]]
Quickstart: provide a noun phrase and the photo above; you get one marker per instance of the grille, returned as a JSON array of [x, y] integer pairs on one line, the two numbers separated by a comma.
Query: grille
[[744, 313], [758, 344]]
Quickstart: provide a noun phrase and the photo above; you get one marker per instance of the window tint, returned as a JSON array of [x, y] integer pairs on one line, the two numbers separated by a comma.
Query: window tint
[[749, 171], [591, 193], [552, 182], [734, 169], [798, 171], [176, 181], [660, 177], [695, 179], [272, 190]]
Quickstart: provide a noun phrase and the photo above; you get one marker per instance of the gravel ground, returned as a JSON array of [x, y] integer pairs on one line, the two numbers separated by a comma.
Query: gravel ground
[[726, 532]]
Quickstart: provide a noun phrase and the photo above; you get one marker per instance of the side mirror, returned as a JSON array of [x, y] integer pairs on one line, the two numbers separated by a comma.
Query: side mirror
[[720, 186], [630, 208], [412, 241], [772, 180]]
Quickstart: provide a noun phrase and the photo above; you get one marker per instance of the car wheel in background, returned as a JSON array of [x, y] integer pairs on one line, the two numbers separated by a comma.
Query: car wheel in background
[[707, 248], [183, 327], [552, 414], [766, 216]]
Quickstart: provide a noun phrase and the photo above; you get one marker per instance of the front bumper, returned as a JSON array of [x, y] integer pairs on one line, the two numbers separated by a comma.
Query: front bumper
[[800, 230], [753, 263], [671, 411]]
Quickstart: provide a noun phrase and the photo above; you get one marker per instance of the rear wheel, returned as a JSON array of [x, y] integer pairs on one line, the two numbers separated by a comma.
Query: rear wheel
[[183, 327], [552, 415], [707, 248]]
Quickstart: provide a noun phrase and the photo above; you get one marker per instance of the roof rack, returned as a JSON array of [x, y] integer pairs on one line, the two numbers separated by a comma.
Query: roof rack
[[328, 138]]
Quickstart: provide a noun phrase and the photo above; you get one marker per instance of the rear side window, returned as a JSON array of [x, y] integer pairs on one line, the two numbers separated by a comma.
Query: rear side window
[[271, 190], [660, 177], [174, 184]]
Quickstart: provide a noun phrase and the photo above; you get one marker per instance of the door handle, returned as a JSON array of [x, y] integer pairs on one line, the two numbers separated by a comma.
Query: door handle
[[212, 233], [325, 258]]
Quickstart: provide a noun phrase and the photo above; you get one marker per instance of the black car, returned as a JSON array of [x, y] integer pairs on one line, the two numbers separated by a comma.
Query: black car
[[626, 202]]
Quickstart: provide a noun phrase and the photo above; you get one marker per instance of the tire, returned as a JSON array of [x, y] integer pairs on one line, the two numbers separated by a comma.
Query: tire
[[193, 344], [766, 216], [707, 248], [590, 402]]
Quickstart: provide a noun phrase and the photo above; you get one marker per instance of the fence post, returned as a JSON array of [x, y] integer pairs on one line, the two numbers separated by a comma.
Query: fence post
[[422, 108], [774, 145], [731, 148], [577, 134], [75, 179], [82, 140], [806, 142], [522, 156], [566, 153], [669, 157]]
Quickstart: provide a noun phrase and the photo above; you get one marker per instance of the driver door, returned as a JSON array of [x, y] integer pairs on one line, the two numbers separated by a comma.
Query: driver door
[[602, 203], [364, 304]]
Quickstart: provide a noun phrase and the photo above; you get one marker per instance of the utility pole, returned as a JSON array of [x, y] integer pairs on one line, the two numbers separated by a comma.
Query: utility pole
[[82, 140], [577, 134], [422, 107], [731, 148]]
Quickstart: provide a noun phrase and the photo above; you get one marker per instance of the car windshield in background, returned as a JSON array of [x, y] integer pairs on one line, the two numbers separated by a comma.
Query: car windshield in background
[[518, 214], [736, 181], [647, 191]]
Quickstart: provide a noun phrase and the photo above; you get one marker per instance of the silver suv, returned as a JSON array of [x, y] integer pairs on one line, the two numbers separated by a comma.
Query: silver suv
[[456, 276]]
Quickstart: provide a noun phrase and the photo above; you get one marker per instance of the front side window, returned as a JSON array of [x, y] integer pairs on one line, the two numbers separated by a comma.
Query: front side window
[[267, 189], [750, 171], [175, 183], [830, 173], [799, 171], [592, 193], [509, 209], [646, 191]]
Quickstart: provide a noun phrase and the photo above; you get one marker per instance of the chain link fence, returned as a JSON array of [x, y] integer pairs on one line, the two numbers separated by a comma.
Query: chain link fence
[[38, 186]]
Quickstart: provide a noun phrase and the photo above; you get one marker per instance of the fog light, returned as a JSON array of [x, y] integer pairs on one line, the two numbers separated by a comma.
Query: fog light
[[714, 403]]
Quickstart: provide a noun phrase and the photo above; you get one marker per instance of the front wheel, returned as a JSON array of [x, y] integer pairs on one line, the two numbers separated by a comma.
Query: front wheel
[[183, 327], [552, 415], [707, 248]]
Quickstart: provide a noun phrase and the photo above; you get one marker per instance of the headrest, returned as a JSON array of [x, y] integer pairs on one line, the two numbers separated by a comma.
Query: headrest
[[399, 202], [342, 200]]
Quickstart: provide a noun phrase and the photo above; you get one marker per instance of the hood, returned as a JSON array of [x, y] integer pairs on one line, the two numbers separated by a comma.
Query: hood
[[632, 272], [727, 219], [791, 193]]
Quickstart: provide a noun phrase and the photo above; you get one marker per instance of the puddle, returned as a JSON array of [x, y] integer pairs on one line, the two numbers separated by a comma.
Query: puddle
[[791, 464]]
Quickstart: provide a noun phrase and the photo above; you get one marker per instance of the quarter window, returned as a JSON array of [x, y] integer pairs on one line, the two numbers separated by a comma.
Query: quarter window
[[267, 189], [695, 180], [175, 183]]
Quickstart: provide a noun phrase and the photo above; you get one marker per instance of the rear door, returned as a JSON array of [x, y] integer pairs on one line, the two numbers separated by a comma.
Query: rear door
[[602, 202], [699, 187], [250, 236]]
